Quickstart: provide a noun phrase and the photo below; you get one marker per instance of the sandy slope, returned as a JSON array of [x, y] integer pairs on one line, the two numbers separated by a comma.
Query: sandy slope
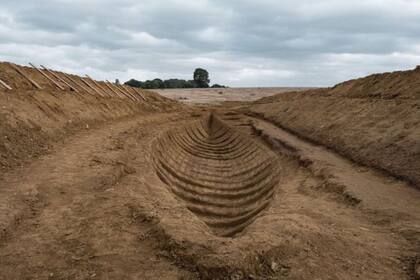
[[374, 121], [31, 119], [67, 216]]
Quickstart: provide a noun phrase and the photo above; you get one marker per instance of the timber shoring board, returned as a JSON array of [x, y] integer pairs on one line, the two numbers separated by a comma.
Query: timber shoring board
[[76, 83], [122, 92], [59, 78], [89, 85], [116, 92], [99, 86], [5, 85], [135, 93], [83, 84], [140, 93], [129, 93], [125, 93], [47, 77], [69, 81], [20, 71]]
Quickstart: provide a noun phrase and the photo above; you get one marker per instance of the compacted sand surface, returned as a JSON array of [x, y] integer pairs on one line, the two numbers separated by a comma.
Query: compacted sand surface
[[220, 95]]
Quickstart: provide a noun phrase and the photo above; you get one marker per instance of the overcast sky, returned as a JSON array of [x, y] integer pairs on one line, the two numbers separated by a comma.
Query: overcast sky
[[240, 42]]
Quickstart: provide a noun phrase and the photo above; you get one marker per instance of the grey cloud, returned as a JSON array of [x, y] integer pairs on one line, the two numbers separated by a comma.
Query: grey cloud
[[241, 42]]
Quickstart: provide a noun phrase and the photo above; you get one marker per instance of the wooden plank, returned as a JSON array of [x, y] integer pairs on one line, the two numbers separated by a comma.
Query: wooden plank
[[135, 93], [47, 77], [76, 83], [70, 81], [140, 93], [59, 78], [25, 76], [89, 85], [125, 93], [5, 85], [132, 95], [122, 92], [99, 86], [83, 84], [116, 92]]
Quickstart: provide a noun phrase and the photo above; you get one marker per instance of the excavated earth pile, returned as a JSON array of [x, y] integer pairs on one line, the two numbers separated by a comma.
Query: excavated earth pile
[[374, 120], [32, 118]]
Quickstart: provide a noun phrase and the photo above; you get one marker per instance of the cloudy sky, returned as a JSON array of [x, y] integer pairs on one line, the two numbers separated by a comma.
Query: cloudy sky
[[240, 42]]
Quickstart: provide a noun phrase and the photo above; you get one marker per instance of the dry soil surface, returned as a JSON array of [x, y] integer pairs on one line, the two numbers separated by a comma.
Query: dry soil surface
[[96, 207], [221, 95]]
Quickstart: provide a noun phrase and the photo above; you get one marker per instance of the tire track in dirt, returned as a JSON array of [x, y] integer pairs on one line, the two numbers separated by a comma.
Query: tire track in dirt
[[223, 176]]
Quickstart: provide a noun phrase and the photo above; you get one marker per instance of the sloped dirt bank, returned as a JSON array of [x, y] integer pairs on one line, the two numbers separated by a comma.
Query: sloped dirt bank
[[374, 120], [67, 215], [31, 119]]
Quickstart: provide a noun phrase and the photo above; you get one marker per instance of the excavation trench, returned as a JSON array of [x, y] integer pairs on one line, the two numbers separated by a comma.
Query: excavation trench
[[222, 176]]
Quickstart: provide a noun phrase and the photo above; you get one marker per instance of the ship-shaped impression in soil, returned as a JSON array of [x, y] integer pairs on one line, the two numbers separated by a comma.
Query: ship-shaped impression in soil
[[225, 177]]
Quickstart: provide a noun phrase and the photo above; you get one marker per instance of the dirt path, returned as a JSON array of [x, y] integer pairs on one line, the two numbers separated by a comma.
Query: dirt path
[[67, 220]]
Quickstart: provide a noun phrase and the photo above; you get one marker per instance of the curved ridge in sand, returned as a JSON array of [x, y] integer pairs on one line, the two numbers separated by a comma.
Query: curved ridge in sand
[[223, 176]]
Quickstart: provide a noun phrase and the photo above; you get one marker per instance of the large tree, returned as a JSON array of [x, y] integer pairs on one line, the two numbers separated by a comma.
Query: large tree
[[201, 77]]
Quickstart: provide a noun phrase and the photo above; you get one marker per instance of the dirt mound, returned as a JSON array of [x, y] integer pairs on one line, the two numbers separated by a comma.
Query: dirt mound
[[398, 84], [32, 118], [374, 120], [224, 177]]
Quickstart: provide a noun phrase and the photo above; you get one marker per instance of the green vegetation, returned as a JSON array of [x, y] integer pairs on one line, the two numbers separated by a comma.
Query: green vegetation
[[217, 86], [201, 77], [201, 80]]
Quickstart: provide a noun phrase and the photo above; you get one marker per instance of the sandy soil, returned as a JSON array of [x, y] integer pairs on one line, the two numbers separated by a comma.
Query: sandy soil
[[378, 128], [161, 190], [220, 95], [31, 119]]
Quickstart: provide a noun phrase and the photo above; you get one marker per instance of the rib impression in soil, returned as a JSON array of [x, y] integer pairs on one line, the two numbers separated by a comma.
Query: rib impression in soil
[[223, 176]]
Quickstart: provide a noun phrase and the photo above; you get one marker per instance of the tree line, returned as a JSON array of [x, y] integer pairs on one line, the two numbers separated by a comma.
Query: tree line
[[200, 80]]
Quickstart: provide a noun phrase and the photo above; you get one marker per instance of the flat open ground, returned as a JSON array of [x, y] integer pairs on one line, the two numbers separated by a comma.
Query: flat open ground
[[219, 95], [109, 182]]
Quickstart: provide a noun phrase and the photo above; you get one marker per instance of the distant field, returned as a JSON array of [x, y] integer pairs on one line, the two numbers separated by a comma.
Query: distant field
[[218, 95]]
